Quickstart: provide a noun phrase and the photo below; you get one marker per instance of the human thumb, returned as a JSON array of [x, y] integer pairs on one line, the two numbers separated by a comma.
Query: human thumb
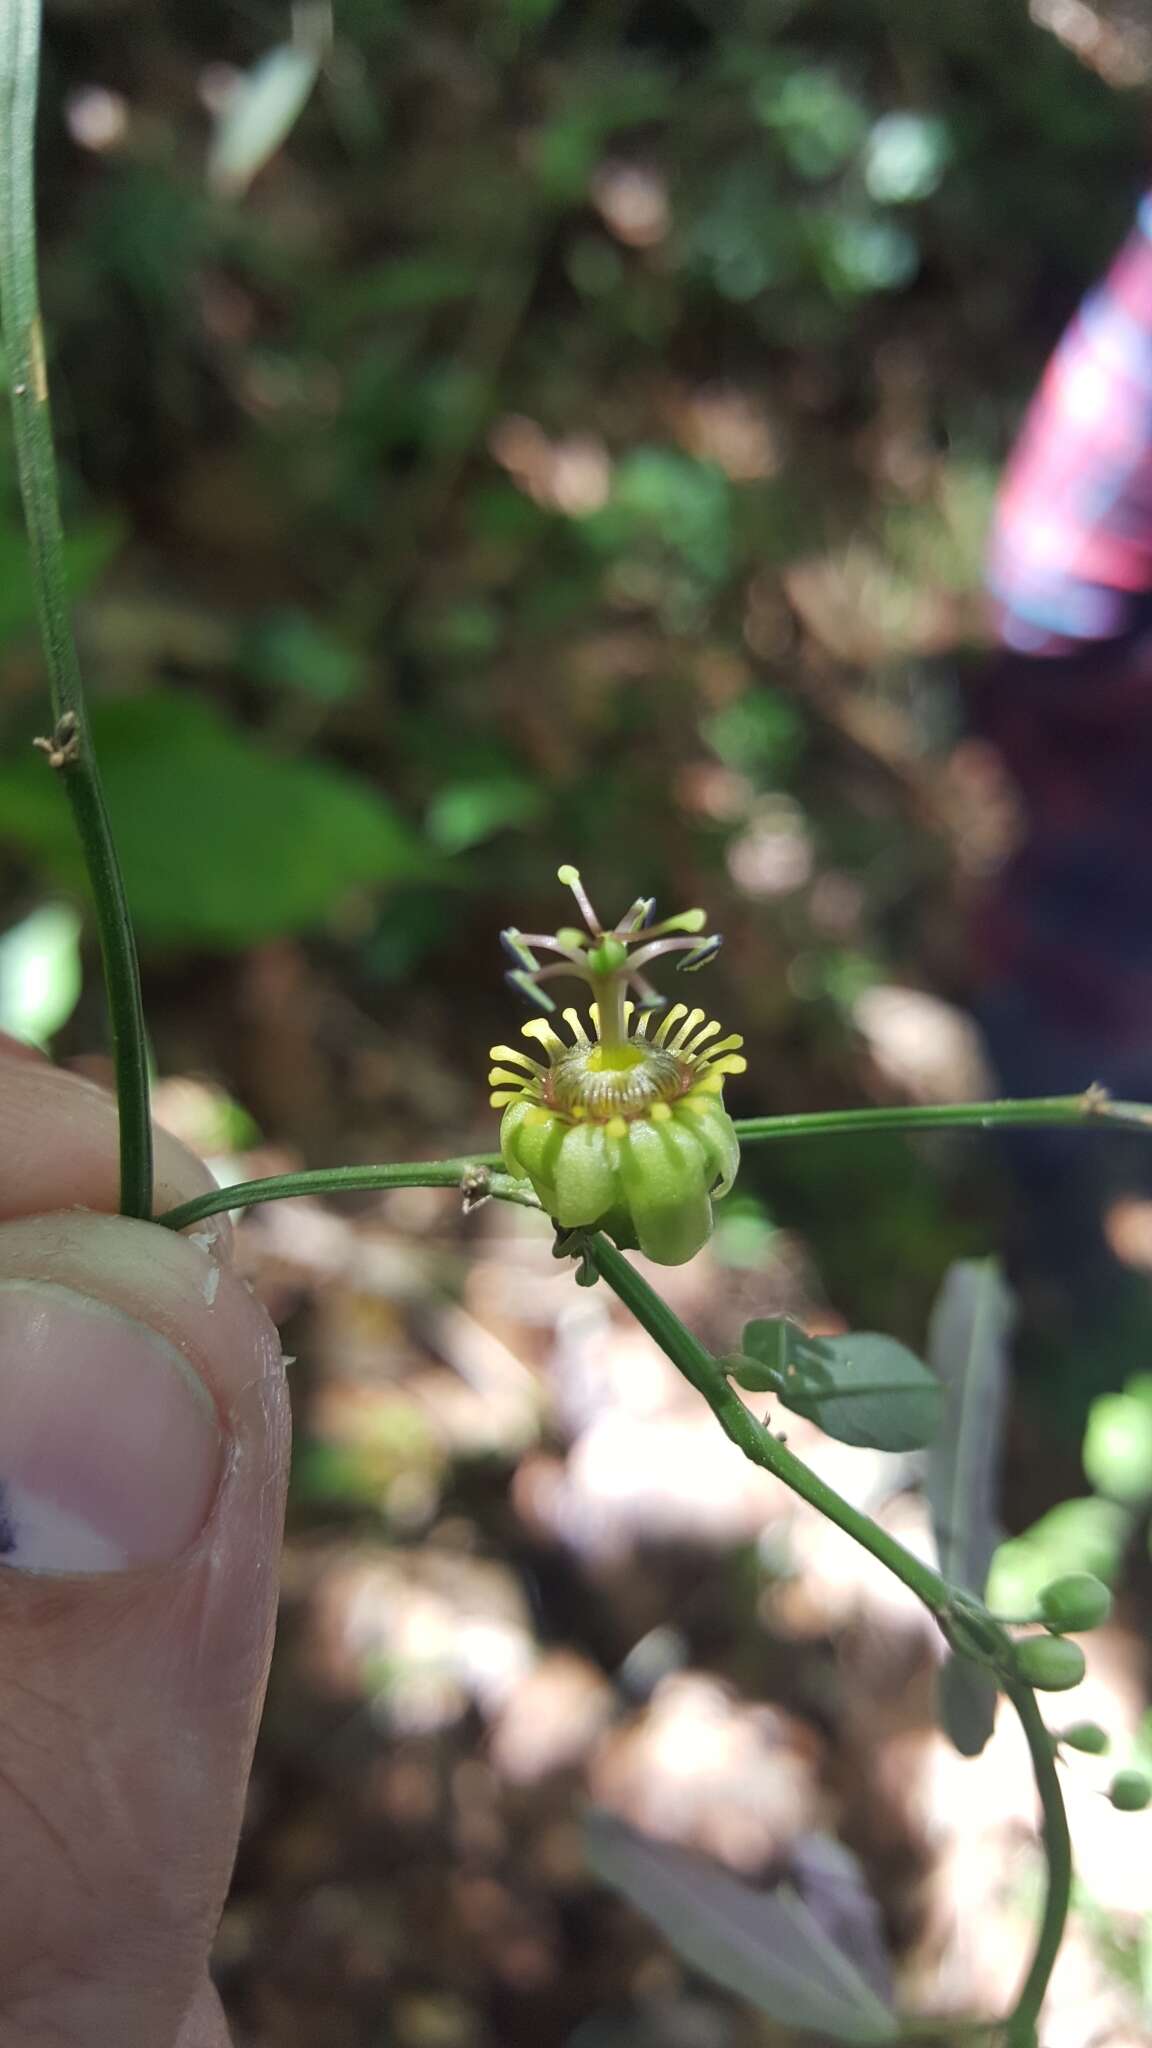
[[144, 1438]]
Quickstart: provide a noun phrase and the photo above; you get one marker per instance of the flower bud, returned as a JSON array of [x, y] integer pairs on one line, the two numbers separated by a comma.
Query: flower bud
[[1075, 1602], [1130, 1792], [1086, 1736], [1050, 1663]]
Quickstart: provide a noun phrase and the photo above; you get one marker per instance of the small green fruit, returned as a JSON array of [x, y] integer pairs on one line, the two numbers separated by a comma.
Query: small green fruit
[[1075, 1602], [1087, 1736], [1130, 1792], [1050, 1663]]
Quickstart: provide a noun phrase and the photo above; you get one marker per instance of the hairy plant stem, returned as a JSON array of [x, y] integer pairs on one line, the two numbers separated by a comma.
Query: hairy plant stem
[[758, 1444], [69, 750]]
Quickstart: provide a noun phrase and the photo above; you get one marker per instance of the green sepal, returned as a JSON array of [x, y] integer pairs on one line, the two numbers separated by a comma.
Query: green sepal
[[663, 1175], [584, 1176]]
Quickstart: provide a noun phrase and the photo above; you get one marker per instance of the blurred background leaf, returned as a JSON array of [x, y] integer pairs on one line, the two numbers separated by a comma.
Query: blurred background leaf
[[221, 843], [769, 1946], [40, 972], [968, 1349]]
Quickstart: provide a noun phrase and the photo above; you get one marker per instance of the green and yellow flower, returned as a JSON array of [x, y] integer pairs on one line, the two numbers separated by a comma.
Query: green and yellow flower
[[620, 1127]]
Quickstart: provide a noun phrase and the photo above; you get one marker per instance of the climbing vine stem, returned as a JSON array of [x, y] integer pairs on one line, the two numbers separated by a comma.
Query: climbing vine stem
[[1094, 1106], [758, 1443], [1020, 2030], [1054, 1110], [68, 750]]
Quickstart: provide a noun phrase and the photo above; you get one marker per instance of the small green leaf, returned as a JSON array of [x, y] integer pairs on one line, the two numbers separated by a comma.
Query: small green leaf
[[866, 1389], [966, 1699]]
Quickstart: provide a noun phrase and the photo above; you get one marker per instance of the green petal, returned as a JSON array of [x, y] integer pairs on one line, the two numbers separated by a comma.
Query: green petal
[[664, 1173], [716, 1134], [585, 1176]]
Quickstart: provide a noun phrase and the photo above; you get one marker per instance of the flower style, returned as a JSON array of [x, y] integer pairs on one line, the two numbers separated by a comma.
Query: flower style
[[620, 1128]]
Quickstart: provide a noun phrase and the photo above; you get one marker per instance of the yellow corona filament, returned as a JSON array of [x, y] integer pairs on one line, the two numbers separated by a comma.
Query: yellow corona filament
[[519, 1059], [575, 1024], [616, 1127], [730, 1044], [540, 1029], [694, 1018], [677, 1011], [690, 1051], [660, 1113]]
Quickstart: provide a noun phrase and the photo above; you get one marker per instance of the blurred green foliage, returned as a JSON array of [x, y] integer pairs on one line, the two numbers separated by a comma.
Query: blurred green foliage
[[1093, 1533], [287, 840]]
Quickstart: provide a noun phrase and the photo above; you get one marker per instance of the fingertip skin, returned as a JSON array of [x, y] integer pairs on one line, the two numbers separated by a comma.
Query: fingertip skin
[[59, 1147], [130, 1697], [205, 2025], [19, 1049]]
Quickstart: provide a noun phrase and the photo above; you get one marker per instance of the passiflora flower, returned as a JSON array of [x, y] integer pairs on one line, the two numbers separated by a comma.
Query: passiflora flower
[[621, 1125]]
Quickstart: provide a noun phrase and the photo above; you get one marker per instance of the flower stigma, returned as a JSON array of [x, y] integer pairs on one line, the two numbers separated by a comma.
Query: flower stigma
[[618, 1126]]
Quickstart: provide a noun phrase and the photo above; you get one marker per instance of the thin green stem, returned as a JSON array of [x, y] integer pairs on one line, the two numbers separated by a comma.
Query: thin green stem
[[750, 1436], [1093, 1107], [1020, 2031], [474, 1177], [758, 1444], [70, 752]]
